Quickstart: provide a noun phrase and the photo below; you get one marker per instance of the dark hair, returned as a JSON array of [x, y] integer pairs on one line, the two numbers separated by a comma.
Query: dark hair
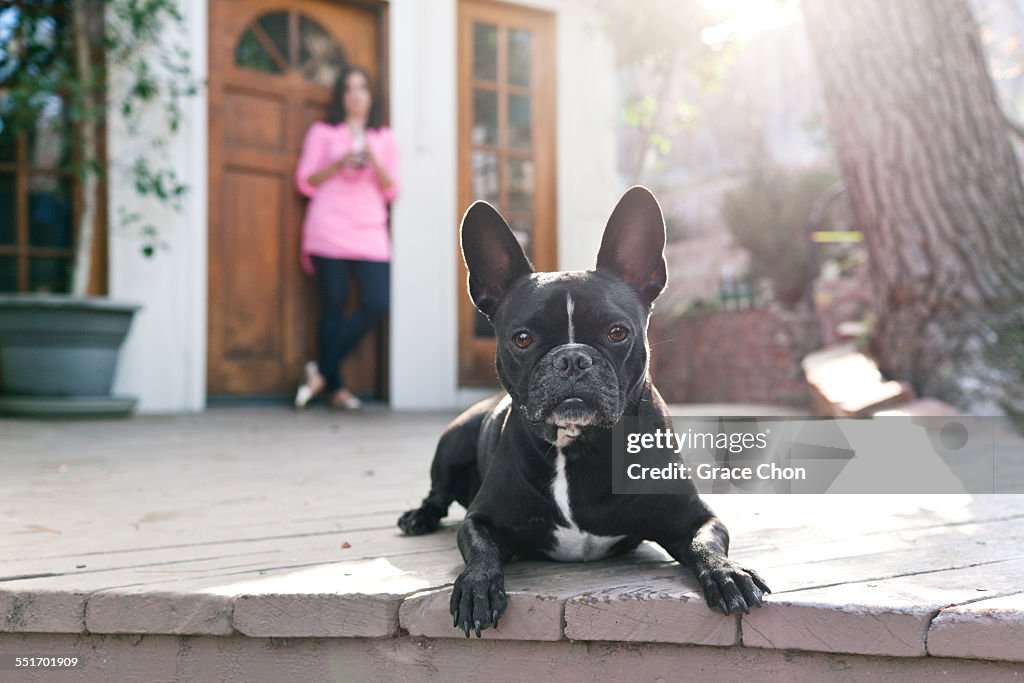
[[336, 107]]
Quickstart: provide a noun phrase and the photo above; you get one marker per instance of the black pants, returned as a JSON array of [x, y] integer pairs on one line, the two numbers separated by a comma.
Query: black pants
[[338, 334]]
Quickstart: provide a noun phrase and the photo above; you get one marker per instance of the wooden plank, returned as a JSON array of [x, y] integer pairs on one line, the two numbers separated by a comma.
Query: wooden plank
[[162, 517], [145, 596], [628, 574], [661, 609], [777, 546], [755, 521], [887, 617], [359, 599], [126, 522], [329, 545], [351, 598], [799, 567], [355, 597], [326, 547], [875, 526], [57, 608], [146, 495], [673, 610], [537, 593], [986, 629], [748, 538], [578, 574]]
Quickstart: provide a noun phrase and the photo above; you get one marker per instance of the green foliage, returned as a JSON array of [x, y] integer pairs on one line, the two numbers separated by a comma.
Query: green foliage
[[652, 37], [768, 216], [162, 184], [134, 39], [36, 64], [640, 112]]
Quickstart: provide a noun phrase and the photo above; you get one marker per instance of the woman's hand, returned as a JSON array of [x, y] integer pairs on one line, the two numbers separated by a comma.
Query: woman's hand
[[347, 160], [383, 179], [352, 160]]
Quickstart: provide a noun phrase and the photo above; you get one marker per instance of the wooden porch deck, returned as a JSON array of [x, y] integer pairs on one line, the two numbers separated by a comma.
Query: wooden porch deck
[[254, 544]]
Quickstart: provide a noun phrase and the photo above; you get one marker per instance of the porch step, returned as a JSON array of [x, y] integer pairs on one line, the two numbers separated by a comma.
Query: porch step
[[209, 550]]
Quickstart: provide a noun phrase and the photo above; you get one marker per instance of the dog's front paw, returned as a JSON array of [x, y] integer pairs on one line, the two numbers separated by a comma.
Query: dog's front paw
[[478, 599], [730, 588], [419, 521]]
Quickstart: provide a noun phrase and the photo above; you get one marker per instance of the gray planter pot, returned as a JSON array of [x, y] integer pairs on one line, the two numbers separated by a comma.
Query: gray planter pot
[[61, 351]]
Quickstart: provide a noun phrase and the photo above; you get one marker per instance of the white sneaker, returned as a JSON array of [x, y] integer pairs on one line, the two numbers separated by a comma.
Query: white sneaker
[[343, 399], [314, 385]]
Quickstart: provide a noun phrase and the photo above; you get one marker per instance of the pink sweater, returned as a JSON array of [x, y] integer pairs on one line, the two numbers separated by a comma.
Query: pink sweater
[[347, 214]]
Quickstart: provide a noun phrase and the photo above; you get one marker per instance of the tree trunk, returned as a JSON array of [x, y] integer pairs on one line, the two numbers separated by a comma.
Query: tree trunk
[[84, 15], [935, 187]]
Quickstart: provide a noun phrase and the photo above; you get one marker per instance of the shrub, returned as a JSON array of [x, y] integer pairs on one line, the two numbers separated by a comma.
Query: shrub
[[768, 216]]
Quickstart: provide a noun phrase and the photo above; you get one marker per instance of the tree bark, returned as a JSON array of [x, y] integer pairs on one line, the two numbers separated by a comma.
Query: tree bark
[[84, 13], [935, 187]]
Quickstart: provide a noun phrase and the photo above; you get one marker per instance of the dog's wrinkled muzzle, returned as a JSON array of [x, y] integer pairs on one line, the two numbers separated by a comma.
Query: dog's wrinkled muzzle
[[573, 385]]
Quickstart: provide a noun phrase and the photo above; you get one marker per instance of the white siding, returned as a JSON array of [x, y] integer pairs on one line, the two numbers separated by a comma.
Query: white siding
[[423, 287], [424, 342], [164, 358]]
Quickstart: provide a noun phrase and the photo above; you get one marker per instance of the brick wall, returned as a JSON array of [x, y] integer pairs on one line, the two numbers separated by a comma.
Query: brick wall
[[749, 356]]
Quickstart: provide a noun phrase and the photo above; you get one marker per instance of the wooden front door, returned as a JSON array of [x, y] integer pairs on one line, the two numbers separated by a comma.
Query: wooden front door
[[272, 66], [506, 147]]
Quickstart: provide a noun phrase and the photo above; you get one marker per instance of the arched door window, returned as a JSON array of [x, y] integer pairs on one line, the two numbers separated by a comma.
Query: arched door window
[[279, 42]]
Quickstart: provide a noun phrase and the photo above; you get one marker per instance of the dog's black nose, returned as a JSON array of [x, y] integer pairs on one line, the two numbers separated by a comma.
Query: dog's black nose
[[570, 360]]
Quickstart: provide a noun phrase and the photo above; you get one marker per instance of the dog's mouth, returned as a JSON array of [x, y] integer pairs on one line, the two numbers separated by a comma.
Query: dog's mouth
[[573, 413], [568, 417]]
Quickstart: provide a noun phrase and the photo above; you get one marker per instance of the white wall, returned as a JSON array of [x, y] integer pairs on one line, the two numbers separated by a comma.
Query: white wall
[[164, 359], [588, 111], [424, 341], [423, 115]]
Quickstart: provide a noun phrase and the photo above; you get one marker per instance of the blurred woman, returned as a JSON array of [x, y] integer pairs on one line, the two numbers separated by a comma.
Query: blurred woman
[[348, 169]]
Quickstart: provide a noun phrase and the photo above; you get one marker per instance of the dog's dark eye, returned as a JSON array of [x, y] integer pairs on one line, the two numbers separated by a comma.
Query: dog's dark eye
[[522, 339], [618, 333]]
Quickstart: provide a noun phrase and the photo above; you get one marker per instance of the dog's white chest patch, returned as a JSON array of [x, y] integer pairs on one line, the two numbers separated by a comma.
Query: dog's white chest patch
[[572, 544]]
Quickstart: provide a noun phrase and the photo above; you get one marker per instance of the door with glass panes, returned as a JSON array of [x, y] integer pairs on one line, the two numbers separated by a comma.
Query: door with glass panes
[[506, 100], [272, 66]]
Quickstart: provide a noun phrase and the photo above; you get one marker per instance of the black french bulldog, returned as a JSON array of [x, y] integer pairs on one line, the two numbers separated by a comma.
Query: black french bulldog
[[534, 467]]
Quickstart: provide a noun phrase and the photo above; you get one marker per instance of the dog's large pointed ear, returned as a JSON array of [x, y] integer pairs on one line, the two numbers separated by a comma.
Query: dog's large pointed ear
[[633, 246], [494, 258]]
